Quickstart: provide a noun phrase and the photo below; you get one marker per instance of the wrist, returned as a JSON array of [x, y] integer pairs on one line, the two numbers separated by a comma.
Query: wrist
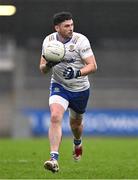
[[49, 64], [78, 74]]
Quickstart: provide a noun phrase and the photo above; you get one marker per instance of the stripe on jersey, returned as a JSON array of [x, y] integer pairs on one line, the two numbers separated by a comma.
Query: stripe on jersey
[[75, 39]]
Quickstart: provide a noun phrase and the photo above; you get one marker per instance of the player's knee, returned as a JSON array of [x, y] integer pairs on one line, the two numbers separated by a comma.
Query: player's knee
[[75, 124], [56, 117]]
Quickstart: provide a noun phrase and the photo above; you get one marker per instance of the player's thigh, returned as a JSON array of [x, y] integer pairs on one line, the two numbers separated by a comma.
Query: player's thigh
[[57, 111], [76, 119], [58, 105], [75, 115]]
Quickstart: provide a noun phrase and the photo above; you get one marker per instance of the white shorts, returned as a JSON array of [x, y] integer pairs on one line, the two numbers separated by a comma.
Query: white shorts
[[59, 100]]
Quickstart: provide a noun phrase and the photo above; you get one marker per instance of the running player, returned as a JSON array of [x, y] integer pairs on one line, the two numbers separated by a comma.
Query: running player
[[69, 85]]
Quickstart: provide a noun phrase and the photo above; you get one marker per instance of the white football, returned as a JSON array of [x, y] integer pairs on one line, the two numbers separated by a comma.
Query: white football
[[54, 51]]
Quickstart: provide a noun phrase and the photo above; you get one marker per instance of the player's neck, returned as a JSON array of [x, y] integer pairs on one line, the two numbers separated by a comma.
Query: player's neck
[[62, 39]]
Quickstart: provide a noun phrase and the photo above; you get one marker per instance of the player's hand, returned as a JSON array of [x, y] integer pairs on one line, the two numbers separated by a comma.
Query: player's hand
[[50, 64], [70, 73]]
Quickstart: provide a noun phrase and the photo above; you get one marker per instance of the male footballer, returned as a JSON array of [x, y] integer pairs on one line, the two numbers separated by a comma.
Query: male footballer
[[69, 87]]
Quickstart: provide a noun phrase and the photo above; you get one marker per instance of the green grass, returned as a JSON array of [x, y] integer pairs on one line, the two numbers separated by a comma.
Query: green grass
[[103, 158]]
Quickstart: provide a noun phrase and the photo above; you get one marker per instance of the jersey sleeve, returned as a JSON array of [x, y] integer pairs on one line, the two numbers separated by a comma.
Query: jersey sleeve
[[85, 48], [42, 53], [44, 42]]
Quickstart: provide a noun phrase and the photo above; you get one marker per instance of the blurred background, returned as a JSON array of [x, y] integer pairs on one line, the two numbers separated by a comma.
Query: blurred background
[[112, 28]]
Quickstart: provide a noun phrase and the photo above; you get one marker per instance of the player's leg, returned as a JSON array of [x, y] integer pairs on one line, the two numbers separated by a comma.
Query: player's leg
[[78, 103], [58, 105], [55, 129], [76, 125]]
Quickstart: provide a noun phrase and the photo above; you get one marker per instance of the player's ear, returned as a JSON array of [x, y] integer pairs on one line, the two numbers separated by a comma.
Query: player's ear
[[57, 28]]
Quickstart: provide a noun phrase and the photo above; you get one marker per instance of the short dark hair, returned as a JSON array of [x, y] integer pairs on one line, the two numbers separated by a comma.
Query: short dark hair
[[61, 17]]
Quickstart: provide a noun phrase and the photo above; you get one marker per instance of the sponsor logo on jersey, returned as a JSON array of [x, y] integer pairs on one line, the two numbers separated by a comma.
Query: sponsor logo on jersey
[[69, 60], [85, 50]]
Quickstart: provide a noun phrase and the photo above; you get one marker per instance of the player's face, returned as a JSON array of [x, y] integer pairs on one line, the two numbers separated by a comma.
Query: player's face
[[65, 29]]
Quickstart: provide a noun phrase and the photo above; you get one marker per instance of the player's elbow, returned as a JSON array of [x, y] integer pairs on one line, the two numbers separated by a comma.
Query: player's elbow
[[43, 68], [95, 67]]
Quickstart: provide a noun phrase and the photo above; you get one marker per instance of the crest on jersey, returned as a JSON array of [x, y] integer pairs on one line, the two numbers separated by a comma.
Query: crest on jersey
[[71, 48]]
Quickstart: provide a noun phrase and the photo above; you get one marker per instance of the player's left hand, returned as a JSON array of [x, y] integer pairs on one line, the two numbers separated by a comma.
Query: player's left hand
[[70, 73]]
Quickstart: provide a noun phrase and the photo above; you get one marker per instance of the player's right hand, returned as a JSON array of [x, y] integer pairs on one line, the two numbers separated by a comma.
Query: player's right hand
[[50, 64]]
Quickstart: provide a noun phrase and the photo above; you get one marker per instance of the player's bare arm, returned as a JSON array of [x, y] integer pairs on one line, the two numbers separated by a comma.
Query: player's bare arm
[[43, 65], [90, 67]]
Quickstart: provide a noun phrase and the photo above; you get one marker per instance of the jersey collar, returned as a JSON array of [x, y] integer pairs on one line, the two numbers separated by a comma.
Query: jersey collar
[[65, 40]]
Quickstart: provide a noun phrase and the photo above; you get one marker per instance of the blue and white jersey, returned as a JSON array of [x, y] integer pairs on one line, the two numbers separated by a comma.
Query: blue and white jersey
[[77, 49]]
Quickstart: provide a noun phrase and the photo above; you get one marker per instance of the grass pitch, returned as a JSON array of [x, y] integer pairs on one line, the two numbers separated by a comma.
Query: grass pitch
[[103, 158]]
